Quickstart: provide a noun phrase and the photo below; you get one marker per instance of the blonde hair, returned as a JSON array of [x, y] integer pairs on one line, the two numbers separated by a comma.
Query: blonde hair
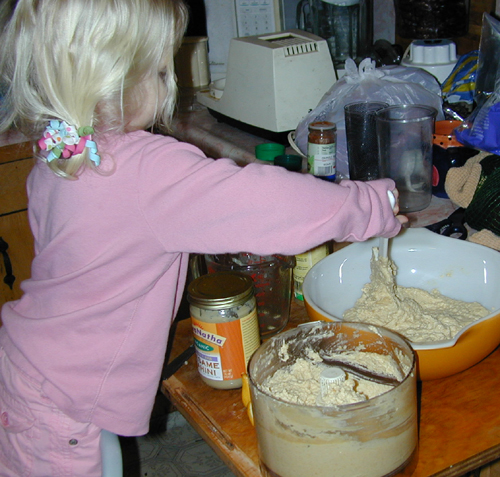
[[81, 61]]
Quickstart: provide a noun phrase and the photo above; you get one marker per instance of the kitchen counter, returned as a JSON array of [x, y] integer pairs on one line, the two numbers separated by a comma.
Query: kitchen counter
[[197, 126], [12, 136]]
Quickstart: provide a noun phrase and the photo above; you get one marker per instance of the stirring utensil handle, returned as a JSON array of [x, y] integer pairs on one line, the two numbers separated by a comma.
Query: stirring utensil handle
[[392, 198], [361, 372], [383, 246]]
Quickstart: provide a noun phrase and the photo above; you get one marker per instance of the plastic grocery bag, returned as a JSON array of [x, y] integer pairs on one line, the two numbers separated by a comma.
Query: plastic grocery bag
[[481, 130], [390, 84], [460, 85]]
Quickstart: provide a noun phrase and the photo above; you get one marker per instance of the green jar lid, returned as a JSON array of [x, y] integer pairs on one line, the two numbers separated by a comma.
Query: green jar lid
[[268, 151], [290, 162]]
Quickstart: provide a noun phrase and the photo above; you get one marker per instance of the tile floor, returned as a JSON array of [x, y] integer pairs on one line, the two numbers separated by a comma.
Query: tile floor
[[172, 448], [177, 451]]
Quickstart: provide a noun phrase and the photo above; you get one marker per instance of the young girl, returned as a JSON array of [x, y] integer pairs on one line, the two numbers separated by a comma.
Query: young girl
[[115, 211]]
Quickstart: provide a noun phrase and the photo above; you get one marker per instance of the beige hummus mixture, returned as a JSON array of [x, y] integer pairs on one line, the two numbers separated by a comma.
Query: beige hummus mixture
[[300, 382], [417, 314]]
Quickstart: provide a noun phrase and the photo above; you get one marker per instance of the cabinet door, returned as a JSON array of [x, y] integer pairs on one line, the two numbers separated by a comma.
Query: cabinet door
[[16, 233], [17, 241]]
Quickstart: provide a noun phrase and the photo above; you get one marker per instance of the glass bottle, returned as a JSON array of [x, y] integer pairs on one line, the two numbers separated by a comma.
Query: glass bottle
[[225, 326], [322, 149]]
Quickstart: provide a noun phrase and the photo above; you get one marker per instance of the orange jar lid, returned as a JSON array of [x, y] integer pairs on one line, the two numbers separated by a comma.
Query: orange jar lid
[[444, 135]]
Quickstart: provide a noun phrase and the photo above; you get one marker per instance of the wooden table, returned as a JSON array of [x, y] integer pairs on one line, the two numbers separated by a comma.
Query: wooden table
[[459, 416]]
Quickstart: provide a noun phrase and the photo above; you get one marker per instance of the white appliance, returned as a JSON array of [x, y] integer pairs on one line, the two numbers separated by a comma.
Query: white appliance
[[438, 57], [272, 80]]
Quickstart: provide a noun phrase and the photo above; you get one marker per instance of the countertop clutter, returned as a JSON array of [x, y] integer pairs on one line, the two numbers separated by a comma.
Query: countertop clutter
[[450, 409], [217, 139]]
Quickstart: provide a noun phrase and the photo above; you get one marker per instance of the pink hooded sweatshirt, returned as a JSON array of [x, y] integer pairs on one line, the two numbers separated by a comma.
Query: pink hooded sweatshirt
[[112, 253]]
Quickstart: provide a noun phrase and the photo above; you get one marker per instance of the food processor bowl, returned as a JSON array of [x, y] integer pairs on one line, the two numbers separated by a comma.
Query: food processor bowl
[[371, 438]]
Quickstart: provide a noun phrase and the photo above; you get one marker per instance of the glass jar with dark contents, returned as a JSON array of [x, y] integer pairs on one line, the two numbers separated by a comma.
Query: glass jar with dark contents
[[321, 150]]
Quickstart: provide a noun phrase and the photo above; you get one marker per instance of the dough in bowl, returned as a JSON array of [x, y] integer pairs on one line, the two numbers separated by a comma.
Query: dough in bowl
[[417, 314]]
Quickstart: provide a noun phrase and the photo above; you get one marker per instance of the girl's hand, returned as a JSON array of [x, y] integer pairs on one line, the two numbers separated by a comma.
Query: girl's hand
[[402, 219]]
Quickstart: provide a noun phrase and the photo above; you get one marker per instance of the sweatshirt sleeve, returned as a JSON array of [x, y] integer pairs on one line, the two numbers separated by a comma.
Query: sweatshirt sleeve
[[200, 205]]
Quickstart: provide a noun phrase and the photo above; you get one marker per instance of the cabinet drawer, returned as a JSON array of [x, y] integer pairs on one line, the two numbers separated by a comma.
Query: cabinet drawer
[[13, 185], [16, 162], [14, 152]]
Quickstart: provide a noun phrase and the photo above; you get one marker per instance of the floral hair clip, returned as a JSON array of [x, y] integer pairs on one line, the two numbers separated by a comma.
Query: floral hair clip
[[63, 140]]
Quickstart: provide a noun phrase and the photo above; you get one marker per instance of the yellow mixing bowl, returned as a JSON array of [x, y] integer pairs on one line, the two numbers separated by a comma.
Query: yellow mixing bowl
[[458, 269]]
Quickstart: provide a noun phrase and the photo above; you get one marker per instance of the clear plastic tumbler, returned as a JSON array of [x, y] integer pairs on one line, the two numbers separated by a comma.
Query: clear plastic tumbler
[[405, 152]]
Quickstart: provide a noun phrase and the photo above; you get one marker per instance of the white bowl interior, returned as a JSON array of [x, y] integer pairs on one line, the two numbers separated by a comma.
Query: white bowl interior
[[458, 269]]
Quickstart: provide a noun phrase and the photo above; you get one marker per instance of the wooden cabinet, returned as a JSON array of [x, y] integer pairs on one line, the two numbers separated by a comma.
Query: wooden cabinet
[[16, 161]]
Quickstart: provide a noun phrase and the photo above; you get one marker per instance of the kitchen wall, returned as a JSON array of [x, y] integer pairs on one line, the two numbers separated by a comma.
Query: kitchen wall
[[384, 20]]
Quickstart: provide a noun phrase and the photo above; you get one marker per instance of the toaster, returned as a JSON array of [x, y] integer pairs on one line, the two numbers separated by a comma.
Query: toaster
[[272, 81]]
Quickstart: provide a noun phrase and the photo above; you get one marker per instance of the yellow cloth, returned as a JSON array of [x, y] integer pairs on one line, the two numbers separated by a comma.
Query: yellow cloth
[[487, 238], [461, 182], [460, 185]]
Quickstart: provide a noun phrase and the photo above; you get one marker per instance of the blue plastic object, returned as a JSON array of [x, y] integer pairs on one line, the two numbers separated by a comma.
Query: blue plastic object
[[111, 454]]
